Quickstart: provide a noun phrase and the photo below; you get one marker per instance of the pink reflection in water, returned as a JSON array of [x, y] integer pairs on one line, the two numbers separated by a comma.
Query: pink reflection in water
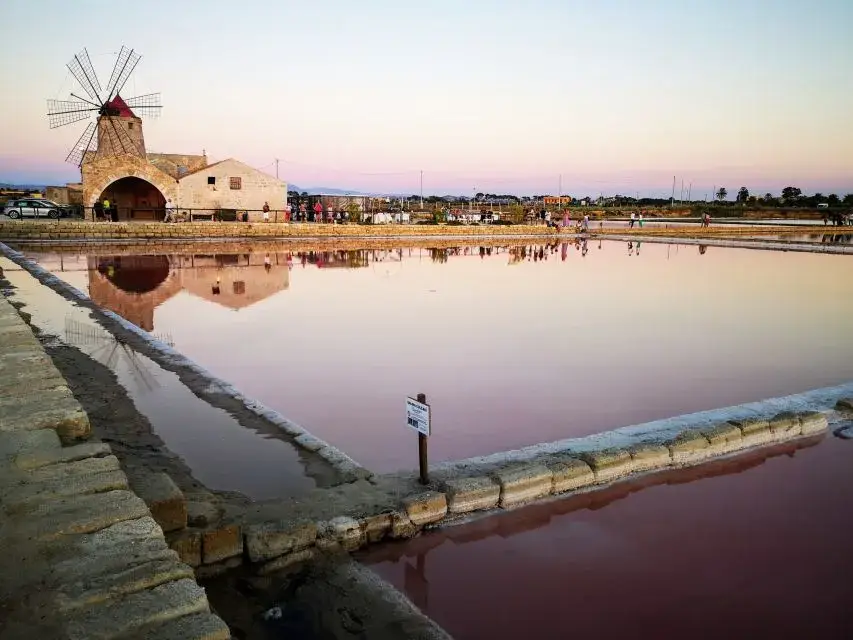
[[511, 347], [762, 552]]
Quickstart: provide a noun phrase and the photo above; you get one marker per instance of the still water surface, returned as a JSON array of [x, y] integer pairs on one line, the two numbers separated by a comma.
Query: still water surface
[[512, 346], [760, 552]]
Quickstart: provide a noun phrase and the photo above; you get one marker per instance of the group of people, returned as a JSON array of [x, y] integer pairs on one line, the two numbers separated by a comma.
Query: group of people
[[106, 210]]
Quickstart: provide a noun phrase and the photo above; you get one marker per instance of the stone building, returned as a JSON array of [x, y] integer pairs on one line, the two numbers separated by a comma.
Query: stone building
[[144, 185], [232, 186]]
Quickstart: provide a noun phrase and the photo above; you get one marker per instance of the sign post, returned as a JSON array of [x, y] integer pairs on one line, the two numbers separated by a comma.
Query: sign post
[[418, 418]]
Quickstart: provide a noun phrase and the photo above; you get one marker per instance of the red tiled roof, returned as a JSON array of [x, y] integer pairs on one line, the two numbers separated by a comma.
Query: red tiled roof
[[123, 110]]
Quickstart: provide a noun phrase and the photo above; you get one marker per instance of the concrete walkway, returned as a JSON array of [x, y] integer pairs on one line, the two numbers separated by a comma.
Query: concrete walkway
[[82, 556]]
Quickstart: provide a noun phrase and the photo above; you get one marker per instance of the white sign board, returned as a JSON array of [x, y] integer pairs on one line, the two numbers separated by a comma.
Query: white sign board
[[417, 416]]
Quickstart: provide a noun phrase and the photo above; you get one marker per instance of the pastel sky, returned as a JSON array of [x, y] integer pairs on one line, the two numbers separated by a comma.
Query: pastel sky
[[615, 96]]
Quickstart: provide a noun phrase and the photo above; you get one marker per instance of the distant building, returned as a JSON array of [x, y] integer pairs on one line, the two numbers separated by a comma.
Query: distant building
[[557, 200]]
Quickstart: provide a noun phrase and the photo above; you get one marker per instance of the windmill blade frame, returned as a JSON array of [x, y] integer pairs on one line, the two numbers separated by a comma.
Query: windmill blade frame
[[83, 71], [147, 104], [125, 64], [78, 152], [63, 112]]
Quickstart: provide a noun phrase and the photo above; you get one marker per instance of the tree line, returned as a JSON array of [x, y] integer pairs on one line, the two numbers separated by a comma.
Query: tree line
[[790, 197]]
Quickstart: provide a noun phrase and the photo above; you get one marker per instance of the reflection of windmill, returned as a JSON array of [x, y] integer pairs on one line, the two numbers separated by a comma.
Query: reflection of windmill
[[119, 129], [109, 349]]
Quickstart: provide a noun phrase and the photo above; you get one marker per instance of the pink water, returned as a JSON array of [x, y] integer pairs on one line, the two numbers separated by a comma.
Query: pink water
[[757, 552], [510, 351]]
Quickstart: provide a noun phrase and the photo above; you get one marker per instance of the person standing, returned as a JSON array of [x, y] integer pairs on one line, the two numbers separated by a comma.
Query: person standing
[[640, 220], [266, 210], [631, 222]]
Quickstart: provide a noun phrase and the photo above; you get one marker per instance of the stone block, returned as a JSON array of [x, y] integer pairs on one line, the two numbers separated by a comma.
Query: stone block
[[813, 422], [198, 626], [609, 464], [84, 514], [426, 508], [270, 540], [43, 457], [785, 425], [65, 416], [30, 384], [375, 528], [208, 571], [166, 501], [845, 404], [202, 513], [520, 484], [344, 530], [287, 561], [19, 497], [570, 474], [120, 617], [647, 457], [187, 545], [689, 446], [17, 443], [93, 590], [225, 542], [472, 494], [723, 438], [402, 526], [756, 431], [66, 470]]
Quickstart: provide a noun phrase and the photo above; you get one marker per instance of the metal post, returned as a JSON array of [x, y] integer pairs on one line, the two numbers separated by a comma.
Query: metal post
[[423, 462]]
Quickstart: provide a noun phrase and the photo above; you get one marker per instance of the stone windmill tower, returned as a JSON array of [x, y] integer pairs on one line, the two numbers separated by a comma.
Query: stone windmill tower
[[117, 125]]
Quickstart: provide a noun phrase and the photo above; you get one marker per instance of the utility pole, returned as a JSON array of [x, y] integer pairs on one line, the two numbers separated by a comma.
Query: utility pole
[[672, 197], [689, 189], [422, 190], [681, 193], [276, 168]]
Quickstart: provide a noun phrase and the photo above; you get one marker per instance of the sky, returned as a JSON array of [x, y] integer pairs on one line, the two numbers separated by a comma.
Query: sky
[[500, 96]]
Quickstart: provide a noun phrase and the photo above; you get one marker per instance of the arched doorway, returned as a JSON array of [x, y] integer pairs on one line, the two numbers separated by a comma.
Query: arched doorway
[[136, 199]]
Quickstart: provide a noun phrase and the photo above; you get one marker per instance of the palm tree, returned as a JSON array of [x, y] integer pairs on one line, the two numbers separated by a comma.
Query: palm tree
[[722, 193]]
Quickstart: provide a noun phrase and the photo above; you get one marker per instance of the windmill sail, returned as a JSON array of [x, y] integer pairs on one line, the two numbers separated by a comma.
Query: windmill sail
[[63, 112], [81, 68], [83, 146], [147, 105], [124, 66]]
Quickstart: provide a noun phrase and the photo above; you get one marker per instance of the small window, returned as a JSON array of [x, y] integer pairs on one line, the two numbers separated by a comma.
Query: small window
[[236, 183], [130, 125], [211, 179]]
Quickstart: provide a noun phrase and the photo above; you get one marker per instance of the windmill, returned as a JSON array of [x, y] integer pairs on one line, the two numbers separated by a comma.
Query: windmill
[[118, 127]]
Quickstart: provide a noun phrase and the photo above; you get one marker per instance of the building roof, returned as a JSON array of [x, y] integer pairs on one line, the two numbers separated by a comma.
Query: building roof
[[119, 104]]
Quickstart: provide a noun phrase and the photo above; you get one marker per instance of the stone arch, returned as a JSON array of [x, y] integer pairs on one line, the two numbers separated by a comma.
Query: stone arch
[[100, 173]]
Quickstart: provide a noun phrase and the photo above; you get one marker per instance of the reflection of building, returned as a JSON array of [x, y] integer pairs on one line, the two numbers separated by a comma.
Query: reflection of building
[[234, 281], [132, 286]]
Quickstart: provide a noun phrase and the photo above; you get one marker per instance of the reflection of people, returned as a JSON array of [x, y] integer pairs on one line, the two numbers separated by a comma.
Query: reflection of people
[[215, 287], [702, 249], [267, 264]]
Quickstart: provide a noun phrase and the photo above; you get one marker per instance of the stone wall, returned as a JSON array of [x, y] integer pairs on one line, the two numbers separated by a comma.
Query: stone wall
[[100, 173], [73, 229], [89, 560], [256, 187]]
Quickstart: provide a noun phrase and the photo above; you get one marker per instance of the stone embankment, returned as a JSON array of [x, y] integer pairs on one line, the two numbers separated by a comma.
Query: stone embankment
[[83, 558], [461, 490], [16, 230]]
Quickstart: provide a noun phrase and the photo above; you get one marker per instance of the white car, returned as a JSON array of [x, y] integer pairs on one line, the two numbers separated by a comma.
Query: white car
[[33, 208]]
